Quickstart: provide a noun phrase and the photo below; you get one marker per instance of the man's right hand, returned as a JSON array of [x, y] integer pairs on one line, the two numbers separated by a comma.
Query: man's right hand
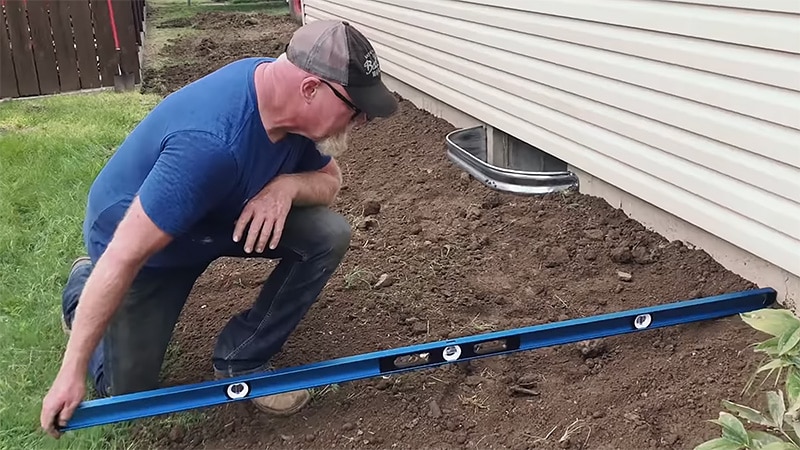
[[59, 404]]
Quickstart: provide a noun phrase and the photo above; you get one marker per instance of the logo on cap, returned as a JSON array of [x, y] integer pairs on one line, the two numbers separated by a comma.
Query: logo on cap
[[371, 65]]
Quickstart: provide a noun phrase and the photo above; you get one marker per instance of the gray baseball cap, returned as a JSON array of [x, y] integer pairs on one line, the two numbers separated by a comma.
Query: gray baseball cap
[[335, 51]]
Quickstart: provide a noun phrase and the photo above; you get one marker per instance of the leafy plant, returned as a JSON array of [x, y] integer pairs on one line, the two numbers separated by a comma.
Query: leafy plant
[[780, 425]]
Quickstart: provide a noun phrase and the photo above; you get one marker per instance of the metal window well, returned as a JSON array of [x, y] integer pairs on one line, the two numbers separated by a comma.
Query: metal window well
[[468, 149]]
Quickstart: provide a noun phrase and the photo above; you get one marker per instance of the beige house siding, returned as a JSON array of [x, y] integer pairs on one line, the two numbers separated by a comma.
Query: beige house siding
[[690, 106]]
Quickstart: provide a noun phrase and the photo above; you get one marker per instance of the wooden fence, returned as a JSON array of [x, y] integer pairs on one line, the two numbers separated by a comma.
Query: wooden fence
[[53, 46]]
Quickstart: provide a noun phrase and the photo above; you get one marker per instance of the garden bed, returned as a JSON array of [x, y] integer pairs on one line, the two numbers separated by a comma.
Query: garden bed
[[464, 260]]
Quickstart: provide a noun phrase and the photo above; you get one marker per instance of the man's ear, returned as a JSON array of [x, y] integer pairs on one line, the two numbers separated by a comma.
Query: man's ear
[[308, 88]]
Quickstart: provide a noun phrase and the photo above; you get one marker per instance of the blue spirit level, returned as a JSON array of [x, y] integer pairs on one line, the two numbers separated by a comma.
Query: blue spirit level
[[180, 398]]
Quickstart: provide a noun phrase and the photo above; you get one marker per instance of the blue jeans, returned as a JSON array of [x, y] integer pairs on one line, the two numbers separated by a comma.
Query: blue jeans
[[131, 352]]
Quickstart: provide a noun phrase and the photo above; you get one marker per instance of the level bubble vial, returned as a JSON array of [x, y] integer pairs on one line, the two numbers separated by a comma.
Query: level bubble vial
[[642, 321]]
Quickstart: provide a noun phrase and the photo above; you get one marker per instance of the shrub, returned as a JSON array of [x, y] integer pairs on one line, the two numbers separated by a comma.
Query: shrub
[[779, 427]]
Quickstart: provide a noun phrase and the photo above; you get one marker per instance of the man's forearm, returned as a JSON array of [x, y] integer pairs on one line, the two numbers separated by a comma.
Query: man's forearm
[[101, 297], [314, 188]]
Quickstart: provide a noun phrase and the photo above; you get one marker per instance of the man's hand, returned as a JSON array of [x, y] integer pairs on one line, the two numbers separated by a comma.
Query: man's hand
[[61, 401], [266, 213]]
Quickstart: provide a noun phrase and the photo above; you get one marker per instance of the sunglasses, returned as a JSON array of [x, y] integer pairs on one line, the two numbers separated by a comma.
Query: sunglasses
[[356, 111]]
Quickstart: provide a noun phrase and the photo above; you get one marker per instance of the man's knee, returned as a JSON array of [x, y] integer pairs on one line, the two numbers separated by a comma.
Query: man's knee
[[336, 233]]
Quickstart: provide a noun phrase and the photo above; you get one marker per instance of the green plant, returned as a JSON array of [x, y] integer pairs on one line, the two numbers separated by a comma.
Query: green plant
[[780, 425]]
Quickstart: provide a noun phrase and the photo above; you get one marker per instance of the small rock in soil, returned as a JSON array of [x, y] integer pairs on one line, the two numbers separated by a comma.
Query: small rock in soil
[[591, 348], [621, 255], [464, 178], [435, 412], [624, 276], [461, 438], [310, 437], [419, 328], [385, 280], [348, 426], [564, 444], [590, 255], [371, 208], [383, 384]]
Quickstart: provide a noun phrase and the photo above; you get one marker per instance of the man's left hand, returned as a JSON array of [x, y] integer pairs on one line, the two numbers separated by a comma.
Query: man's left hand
[[266, 213]]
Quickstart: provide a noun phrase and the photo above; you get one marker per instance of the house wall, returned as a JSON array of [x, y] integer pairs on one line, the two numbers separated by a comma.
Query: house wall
[[686, 114]]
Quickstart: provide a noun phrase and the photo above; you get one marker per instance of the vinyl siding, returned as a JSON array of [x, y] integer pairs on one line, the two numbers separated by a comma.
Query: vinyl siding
[[692, 106]]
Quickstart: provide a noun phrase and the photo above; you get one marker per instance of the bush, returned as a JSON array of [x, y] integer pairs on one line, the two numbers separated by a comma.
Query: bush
[[779, 427]]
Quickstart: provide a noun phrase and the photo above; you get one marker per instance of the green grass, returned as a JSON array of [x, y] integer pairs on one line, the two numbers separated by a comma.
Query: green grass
[[50, 151], [172, 10]]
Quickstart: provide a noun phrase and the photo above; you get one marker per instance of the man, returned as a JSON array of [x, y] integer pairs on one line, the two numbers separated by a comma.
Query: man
[[226, 166]]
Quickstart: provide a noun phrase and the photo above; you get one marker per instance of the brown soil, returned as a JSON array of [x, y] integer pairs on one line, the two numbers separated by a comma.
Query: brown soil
[[464, 260]]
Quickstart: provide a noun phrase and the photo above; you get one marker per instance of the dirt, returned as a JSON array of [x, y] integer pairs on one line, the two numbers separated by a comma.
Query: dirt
[[461, 259]]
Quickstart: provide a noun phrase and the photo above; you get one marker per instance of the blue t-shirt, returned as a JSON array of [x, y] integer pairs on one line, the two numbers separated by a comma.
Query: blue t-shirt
[[195, 160]]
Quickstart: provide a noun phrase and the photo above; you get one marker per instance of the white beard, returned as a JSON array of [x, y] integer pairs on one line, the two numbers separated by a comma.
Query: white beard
[[334, 145]]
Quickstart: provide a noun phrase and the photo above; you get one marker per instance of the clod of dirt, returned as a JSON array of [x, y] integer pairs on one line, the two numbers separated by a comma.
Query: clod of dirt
[[383, 384], [371, 208], [594, 234], [434, 410], [348, 426], [522, 391], [473, 213], [643, 256], [621, 255], [310, 437], [385, 280], [670, 439], [527, 381], [473, 380], [367, 223], [564, 443], [464, 178], [591, 348], [624, 276], [177, 433], [478, 242], [556, 257], [250, 21], [491, 201], [419, 328], [461, 438]]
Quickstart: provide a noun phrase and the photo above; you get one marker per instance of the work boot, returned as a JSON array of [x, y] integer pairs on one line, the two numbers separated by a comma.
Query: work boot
[[284, 404], [69, 301]]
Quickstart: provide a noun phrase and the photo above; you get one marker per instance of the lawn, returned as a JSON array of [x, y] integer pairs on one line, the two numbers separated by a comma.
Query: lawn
[[50, 150]]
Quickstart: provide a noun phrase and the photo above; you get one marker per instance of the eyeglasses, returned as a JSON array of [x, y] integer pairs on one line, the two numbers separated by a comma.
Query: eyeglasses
[[356, 111]]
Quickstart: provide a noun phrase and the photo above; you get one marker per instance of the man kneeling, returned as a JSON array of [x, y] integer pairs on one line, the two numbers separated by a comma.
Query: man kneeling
[[226, 166]]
